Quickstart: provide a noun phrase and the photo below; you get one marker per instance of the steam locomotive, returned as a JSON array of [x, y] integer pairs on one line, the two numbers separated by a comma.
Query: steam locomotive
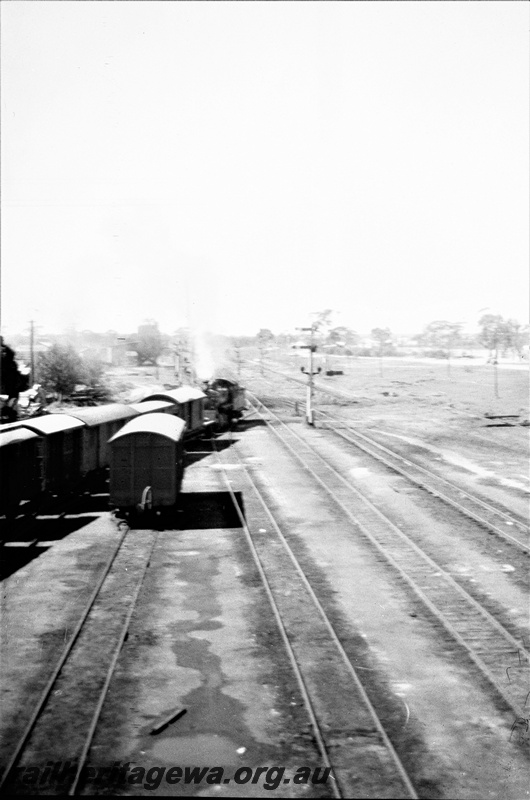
[[226, 399]]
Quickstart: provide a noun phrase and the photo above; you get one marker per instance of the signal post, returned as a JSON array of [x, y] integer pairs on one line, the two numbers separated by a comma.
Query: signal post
[[309, 397]]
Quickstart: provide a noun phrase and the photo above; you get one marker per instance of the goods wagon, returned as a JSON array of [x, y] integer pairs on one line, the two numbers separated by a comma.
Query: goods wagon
[[189, 405], [75, 443], [62, 444], [21, 468], [149, 406], [100, 423], [146, 462]]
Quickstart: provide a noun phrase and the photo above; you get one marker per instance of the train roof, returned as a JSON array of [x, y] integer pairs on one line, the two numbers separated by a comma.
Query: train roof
[[16, 435], [189, 393], [180, 395], [51, 423], [161, 424], [96, 415], [147, 406], [9, 426], [141, 392]]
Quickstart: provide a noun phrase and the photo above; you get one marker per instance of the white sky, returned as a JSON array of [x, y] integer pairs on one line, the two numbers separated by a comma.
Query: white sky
[[240, 165]]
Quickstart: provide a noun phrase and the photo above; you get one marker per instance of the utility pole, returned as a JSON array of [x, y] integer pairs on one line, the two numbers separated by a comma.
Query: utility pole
[[495, 346], [309, 397], [237, 351], [32, 352]]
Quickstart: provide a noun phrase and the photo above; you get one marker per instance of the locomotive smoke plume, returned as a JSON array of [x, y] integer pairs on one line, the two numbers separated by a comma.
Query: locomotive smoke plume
[[204, 362]]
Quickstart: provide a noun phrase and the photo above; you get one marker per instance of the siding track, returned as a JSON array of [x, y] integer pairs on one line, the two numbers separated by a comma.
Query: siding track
[[62, 724], [468, 504], [501, 658], [345, 727], [506, 525]]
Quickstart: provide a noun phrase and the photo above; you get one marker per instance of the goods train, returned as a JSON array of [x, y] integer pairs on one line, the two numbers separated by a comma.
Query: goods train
[[143, 443]]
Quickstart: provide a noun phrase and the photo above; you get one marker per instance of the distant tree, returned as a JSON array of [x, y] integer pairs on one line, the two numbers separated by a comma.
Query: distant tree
[[148, 343], [284, 339], [322, 321], [264, 337], [515, 336], [12, 382], [93, 371], [499, 334], [441, 334], [524, 336], [93, 377], [11, 378], [492, 333], [341, 336], [383, 337], [59, 369]]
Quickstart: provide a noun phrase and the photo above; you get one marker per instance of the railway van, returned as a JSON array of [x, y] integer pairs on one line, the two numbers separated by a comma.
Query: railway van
[[21, 469], [152, 406], [188, 405], [146, 463], [100, 423], [62, 449]]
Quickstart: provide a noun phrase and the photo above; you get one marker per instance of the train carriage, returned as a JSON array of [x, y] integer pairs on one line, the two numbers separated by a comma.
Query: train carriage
[[189, 405], [73, 443], [62, 449], [101, 422], [192, 401], [146, 464], [21, 468]]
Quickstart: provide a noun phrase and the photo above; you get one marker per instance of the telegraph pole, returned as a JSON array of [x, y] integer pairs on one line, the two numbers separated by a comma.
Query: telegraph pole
[[32, 352], [237, 349], [309, 397]]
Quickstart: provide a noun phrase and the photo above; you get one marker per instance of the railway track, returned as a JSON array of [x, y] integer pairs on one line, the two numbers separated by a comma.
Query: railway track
[[500, 657], [344, 726], [63, 722], [470, 505], [486, 514]]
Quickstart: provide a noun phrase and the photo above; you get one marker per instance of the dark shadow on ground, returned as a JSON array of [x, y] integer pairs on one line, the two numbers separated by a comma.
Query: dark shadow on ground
[[42, 530], [197, 449], [246, 424], [195, 511], [23, 540], [14, 558]]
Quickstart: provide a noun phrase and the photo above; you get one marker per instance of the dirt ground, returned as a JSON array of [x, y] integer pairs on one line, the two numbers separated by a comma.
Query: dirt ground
[[452, 412]]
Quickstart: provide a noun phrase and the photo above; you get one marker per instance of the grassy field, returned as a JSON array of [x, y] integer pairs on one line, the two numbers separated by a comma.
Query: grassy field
[[403, 385], [464, 385]]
